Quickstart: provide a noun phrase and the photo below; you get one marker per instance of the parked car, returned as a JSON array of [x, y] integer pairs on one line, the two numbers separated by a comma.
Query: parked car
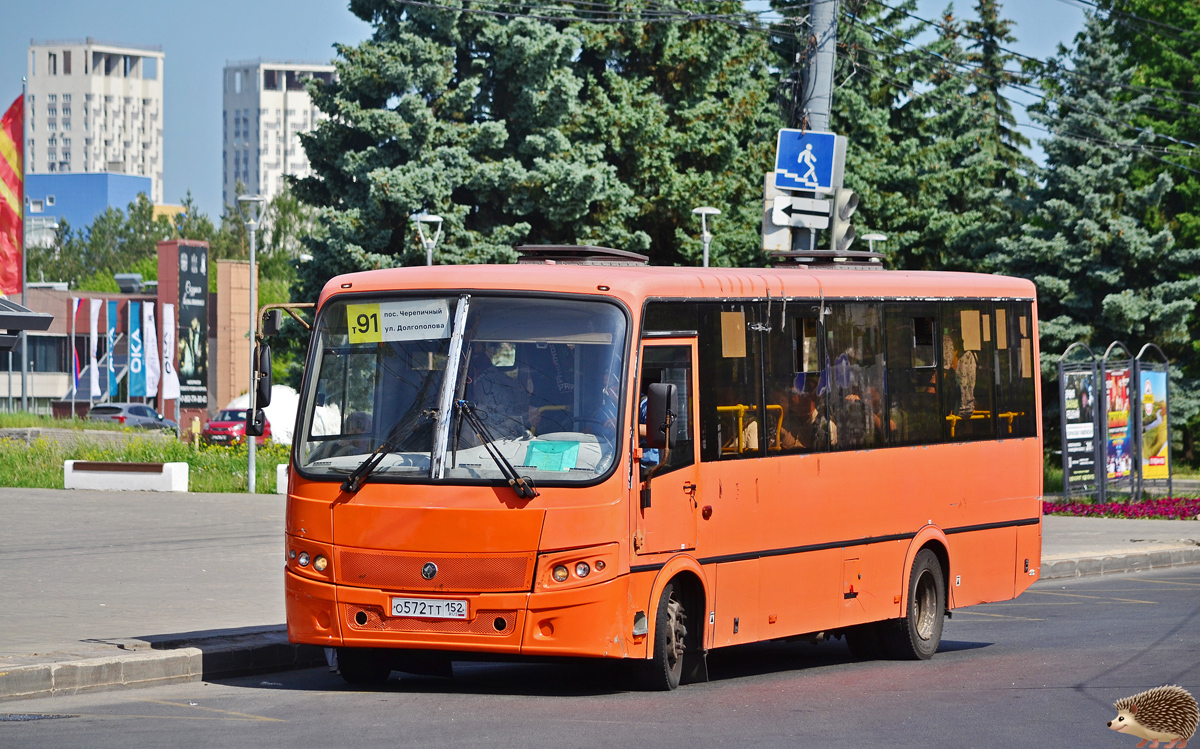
[[228, 427], [132, 415]]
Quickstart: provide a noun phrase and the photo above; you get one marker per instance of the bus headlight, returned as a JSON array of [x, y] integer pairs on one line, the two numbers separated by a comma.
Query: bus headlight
[[582, 569], [303, 559], [561, 574]]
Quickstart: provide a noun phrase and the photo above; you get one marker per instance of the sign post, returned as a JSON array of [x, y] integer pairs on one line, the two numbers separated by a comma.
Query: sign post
[[809, 169]]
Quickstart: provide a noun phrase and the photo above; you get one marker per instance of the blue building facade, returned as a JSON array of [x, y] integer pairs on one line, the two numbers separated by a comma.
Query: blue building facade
[[79, 198]]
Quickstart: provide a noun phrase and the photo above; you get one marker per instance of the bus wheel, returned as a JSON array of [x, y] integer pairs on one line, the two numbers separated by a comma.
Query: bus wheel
[[363, 666], [663, 670], [916, 635]]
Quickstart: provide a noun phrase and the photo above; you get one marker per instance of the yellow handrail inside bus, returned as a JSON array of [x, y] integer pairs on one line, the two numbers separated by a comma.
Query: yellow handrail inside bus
[[741, 410]]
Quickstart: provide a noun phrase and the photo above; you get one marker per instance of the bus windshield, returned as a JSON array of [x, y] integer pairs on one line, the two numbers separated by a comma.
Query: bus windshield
[[542, 375]]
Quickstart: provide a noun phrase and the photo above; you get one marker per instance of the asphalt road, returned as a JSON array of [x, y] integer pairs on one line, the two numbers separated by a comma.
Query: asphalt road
[[1041, 670], [85, 567]]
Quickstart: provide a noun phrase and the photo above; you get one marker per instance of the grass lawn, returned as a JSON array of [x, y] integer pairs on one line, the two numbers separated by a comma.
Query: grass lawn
[[211, 468]]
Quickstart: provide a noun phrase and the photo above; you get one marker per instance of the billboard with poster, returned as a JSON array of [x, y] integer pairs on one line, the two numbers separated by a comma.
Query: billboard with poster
[[1079, 429], [1119, 452], [192, 340], [1152, 389]]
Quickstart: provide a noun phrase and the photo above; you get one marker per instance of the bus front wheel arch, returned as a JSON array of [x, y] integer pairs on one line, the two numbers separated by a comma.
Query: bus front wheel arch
[[916, 634], [677, 652]]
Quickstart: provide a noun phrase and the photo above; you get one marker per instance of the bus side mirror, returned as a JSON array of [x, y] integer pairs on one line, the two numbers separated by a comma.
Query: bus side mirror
[[660, 420], [263, 376], [272, 322], [256, 423]]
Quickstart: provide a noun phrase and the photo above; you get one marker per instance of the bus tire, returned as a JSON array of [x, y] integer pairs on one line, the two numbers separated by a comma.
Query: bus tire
[[363, 666], [663, 671], [916, 635]]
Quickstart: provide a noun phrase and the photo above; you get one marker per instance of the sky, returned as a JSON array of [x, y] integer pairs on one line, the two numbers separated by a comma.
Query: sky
[[198, 39]]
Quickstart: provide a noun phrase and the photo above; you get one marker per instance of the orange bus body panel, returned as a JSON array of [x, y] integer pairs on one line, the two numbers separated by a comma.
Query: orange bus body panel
[[787, 545]]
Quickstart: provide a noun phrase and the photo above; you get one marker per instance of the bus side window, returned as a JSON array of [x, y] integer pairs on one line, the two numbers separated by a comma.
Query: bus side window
[[967, 371], [912, 374], [1014, 371], [854, 360], [730, 386], [793, 370]]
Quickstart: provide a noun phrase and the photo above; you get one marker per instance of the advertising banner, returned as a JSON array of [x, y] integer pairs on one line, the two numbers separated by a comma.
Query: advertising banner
[[170, 380], [93, 340], [193, 326], [1080, 427], [1119, 454], [1155, 424], [150, 347], [111, 321], [137, 369], [74, 350]]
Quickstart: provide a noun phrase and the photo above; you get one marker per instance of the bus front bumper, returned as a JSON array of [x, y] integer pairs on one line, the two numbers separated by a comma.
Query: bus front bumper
[[590, 621]]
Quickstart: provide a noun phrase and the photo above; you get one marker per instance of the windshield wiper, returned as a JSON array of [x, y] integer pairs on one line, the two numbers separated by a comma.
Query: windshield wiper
[[522, 485], [359, 476]]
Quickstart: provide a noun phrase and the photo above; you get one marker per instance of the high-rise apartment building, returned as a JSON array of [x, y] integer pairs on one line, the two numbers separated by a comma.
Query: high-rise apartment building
[[95, 107], [266, 106]]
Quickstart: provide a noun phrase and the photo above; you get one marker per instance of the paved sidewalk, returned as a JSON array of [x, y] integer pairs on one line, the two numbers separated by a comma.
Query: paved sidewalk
[[113, 589]]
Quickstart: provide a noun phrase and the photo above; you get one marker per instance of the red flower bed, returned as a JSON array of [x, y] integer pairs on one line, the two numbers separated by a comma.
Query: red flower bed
[[1172, 508]]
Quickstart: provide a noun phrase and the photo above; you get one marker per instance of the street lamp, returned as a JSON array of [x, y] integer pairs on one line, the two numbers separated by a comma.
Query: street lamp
[[704, 212], [873, 238], [435, 222], [251, 208]]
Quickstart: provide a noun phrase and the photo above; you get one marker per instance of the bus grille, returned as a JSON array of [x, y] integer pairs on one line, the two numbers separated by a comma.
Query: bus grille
[[484, 623], [402, 571]]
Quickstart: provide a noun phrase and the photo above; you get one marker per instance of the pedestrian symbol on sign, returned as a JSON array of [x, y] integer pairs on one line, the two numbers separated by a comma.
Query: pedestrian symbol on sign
[[809, 160]]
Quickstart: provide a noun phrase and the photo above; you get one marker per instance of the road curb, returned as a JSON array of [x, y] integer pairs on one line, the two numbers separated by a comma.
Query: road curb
[[167, 662], [1115, 563]]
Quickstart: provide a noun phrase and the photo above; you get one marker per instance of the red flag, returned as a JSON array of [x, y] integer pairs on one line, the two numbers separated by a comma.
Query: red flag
[[12, 196]]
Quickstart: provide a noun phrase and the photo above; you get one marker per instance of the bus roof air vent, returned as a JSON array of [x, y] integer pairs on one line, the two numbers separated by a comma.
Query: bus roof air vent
[[848, 259], [570, 254]]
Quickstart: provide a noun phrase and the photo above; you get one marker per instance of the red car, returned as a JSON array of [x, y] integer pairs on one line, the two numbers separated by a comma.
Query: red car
[[228, 427]]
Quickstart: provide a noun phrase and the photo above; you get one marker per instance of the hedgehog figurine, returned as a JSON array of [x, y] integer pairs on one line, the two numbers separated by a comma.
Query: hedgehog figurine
[[1162, 714]]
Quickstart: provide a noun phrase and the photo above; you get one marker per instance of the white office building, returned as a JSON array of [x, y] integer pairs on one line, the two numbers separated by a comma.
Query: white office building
[[95, 107], [266, 107]]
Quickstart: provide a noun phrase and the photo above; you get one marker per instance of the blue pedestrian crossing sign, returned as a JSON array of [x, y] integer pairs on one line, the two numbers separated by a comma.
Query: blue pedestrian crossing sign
[[809, 160]]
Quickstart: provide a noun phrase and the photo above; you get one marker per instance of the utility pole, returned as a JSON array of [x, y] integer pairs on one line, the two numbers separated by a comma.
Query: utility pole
[[819, 65]]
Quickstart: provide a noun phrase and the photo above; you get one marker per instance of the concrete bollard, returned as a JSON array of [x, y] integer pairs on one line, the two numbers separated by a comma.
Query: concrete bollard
[[114, 476]]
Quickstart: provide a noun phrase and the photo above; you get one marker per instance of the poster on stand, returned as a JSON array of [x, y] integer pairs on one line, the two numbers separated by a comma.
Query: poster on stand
[[193, 326], [1119, 453], [1155, 425], [1080, 427]]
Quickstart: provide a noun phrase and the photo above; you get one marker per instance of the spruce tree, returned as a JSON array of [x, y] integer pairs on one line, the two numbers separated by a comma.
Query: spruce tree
[[1101, 274]]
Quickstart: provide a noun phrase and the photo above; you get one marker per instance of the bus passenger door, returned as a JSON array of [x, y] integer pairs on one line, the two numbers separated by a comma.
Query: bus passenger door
[[666, 514]]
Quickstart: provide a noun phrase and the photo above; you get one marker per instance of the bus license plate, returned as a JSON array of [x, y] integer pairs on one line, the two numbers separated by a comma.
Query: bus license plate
[[429, 608]]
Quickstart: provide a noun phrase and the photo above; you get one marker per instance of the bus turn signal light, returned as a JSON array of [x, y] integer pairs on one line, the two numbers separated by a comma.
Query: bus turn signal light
[[320, 563], [561, 573]]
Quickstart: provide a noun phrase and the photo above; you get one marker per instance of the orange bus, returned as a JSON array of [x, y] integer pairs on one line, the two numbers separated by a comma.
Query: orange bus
[[579, 455]]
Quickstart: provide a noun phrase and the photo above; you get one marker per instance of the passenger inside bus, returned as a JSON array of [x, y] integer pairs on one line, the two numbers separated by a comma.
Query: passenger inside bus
[[960, 370]]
